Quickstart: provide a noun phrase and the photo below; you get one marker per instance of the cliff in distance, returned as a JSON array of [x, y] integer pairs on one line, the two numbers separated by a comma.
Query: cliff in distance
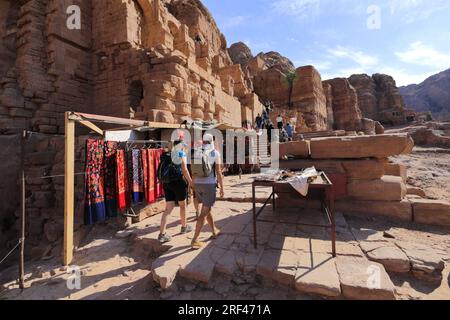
[[431, 95]]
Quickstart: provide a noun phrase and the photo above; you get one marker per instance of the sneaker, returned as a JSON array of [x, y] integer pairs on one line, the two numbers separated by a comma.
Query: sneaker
[[197, 245], [186, 229], [163, 238], [216, 233]]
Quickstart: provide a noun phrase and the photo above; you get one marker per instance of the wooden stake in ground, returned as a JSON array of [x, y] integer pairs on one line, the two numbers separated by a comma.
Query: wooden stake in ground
[[69, 189]]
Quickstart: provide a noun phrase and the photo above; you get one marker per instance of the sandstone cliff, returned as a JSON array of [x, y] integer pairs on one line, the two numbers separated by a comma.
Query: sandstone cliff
[[296, 94], [431, 95], [379, 98]]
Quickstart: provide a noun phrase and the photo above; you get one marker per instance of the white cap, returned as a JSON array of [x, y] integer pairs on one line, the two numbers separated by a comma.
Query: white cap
[[208, 138]]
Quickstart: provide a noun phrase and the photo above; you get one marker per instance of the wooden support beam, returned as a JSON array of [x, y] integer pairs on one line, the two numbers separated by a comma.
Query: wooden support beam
[[91, 126], [105, 119], [69, 188]]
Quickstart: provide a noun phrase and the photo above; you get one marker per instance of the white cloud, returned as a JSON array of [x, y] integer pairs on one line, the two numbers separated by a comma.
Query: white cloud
[[362, 59], [299, 8], [410, 11], [422, 55]]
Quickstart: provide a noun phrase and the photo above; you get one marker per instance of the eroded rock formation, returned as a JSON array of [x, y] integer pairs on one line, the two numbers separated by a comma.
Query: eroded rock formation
[[379, 98]]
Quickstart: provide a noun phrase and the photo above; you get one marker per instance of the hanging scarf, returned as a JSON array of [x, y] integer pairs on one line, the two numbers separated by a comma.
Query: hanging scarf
[[145, 172], [159, 185], [123, 190], [151, 192], [94, 183], [110, 179], [137, 181]]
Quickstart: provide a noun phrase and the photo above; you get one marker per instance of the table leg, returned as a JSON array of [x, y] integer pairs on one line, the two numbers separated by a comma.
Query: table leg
[[330, 198], [254, 217], [273, 199]]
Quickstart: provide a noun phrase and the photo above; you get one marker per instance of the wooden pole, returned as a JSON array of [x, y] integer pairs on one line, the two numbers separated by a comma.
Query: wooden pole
[[69, 189], [23, 207]]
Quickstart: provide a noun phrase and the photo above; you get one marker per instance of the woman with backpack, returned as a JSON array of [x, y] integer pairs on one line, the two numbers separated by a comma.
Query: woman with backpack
[[174, 175], [206, 172]]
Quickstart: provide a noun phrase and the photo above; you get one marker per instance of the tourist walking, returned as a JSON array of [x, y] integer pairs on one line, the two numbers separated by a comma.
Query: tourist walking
[[206, 172], [259, 121], [280, 122], [174, 175], [290, 131]]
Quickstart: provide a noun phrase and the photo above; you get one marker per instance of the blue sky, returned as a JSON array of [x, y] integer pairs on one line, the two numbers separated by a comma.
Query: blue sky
[[408, 39]]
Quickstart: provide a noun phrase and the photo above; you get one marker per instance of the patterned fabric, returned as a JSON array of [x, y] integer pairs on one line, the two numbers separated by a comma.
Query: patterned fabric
[[159, 185], [145, 171], [94, 189], [123, 190], [110, 179], [137, 179], [152, 176]]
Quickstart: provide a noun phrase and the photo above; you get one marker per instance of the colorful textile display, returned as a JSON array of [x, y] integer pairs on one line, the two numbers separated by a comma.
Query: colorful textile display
[[123, 190], [110, 179], [116, 179], [94, 184]]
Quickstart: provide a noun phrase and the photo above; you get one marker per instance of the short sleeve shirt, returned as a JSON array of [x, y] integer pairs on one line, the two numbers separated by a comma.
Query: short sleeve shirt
[[213, 157]]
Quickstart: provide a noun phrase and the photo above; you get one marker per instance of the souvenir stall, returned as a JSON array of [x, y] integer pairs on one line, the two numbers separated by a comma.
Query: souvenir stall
[[120, 169]]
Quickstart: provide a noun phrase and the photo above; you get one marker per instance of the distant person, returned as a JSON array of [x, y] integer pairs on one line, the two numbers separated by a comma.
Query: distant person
[[259, 121], [284, 136], [290, 131], [206, 175], [270, 127], [280, 122], [174, 175], [265, 115]]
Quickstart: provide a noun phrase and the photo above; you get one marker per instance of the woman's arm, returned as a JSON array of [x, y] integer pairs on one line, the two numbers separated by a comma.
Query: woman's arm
[[186, 173], [220, 176]]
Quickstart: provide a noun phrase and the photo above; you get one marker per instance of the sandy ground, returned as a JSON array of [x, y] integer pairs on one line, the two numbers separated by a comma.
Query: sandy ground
[[112, 268], [429, 169]]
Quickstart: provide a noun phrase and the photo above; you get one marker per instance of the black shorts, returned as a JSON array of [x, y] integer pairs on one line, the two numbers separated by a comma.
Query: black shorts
[[175, 191]]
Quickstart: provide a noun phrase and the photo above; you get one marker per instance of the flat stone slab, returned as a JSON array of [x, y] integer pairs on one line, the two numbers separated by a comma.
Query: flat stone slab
[[380, 146], [401, 210], [362, 279], [317, 274], [268, 262], [432, 212], [391, 257], [426, 263], [363, 234], [200, 268], [287, 267]]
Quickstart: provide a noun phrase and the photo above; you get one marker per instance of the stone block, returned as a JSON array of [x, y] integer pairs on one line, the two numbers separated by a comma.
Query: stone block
[[362, 279], [298, 149], [388, 188], [395, 169], [432, 212], [317, 274], [364, 169], [401, 210], [380, 146]]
